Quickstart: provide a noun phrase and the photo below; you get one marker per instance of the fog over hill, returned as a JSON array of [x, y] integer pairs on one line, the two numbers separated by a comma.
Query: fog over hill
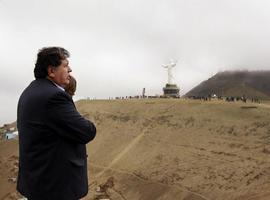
[[252, 84]]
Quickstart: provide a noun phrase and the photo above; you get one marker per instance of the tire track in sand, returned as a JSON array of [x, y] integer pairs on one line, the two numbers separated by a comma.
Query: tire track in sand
[[122, 153]]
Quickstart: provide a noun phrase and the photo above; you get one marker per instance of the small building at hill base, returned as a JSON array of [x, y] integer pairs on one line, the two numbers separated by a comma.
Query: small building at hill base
[[11, 135]]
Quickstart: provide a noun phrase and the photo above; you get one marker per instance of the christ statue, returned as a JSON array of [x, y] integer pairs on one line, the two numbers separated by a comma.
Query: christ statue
[[169, 69]]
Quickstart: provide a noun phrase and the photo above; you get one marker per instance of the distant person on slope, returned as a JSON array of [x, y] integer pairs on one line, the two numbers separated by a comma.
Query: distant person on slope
[[52, 133]]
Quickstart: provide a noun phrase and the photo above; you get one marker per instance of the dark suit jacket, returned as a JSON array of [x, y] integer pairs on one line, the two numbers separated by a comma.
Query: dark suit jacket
[[52, 138]]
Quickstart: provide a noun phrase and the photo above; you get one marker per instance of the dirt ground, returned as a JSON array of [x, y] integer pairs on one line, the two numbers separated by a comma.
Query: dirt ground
[[163, 149]]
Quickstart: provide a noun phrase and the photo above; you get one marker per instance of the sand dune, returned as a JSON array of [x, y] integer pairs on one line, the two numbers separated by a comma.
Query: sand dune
[[172, 149]]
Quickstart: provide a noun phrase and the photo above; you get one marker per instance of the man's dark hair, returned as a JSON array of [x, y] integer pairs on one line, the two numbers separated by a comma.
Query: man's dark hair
[[49, 56]]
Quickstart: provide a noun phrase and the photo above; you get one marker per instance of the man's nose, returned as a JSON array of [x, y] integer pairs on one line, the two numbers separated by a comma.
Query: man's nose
[[69, 69]]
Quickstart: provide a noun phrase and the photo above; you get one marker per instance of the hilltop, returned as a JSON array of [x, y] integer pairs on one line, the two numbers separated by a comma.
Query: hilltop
[[169, 149], [252, 84]]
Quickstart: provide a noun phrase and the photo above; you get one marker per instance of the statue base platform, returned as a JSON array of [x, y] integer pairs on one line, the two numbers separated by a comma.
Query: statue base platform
[[171, 90]]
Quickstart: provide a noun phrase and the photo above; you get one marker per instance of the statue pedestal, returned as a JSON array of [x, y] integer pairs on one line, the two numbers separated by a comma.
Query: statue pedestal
[[171, 90]]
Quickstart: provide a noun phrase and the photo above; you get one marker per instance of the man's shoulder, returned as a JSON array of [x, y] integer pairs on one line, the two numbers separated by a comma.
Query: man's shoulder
[[42, 88], [45, 85]]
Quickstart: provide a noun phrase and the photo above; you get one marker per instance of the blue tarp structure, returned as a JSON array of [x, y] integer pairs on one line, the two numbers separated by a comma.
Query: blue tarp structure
[[11, 135]]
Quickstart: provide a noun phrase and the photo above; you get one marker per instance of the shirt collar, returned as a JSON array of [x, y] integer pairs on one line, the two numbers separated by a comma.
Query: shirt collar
[[61, 88]]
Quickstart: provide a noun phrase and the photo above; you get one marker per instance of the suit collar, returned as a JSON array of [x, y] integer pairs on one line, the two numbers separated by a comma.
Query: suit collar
[[60, 87]]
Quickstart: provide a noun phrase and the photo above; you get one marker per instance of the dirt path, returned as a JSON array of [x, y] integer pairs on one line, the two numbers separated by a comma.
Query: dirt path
[[121, 154]]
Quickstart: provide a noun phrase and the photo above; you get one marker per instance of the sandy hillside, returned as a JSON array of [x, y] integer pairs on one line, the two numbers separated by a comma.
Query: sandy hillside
[[8, 169], [171, 149]]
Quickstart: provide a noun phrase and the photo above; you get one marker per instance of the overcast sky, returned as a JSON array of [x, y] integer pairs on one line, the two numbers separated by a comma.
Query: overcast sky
[[118, 46]]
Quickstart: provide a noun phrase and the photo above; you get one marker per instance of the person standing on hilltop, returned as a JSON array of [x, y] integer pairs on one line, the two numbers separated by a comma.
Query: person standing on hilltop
[[52, 133]]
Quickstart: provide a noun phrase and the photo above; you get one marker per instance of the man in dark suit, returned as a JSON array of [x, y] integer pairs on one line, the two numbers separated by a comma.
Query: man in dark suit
[[52, 134]]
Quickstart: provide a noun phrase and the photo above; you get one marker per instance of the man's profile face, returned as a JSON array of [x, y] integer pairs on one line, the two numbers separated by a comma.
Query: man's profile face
[[60, 74]]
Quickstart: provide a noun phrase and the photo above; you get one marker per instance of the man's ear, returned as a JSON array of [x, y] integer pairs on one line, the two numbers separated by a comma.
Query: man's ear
[[50, 71]]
